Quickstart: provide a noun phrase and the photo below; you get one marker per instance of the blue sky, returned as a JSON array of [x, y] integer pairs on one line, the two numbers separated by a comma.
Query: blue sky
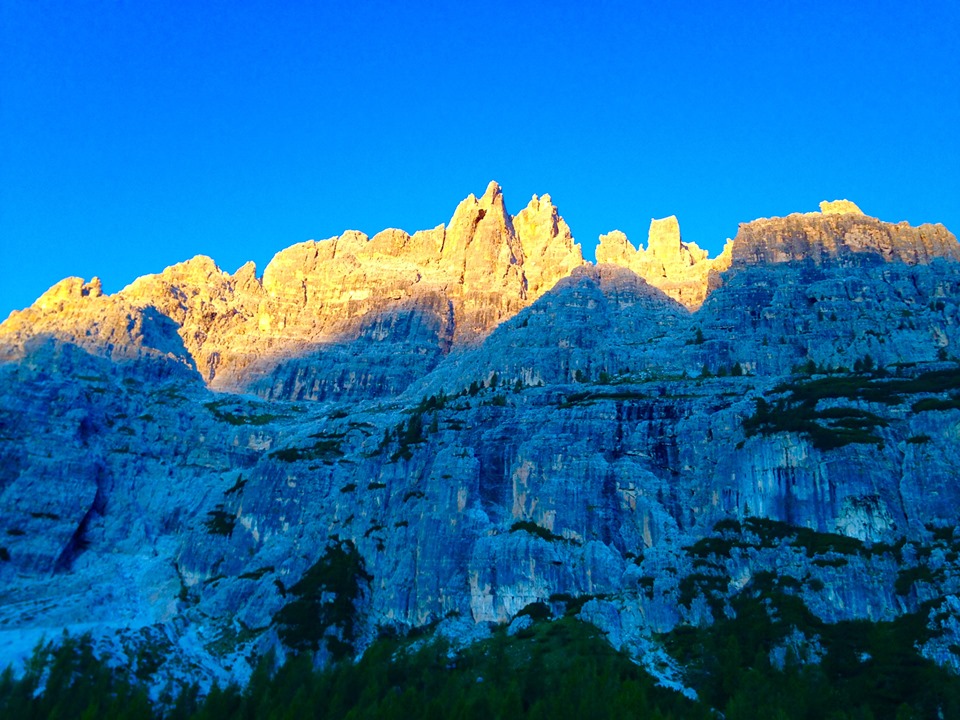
[[134, 135]]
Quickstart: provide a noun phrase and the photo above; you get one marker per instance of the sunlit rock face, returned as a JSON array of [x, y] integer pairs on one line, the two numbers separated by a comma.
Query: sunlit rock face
[[490, 422], [78, 313], [337, 303], [681, 270], [840, 234], [549, 251], [357, 317], [839, 207]]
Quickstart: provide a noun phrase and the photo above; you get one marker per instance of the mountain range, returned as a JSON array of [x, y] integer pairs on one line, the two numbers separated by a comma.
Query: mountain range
[[450, 429]]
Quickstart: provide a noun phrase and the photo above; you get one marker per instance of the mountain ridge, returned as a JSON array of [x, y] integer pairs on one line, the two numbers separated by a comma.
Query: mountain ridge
[[215, 443], [468, 276]]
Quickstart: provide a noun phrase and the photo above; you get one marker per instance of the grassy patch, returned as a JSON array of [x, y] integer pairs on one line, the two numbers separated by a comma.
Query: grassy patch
[[237, 487], [834, 427], [942, 533], [933, 404], [765, 533], [827, 429], [830, 562], [236, 416], [820, 543], [712, 545], [326, 448], [864, 669], [908, 577], [711, 586], [532, 528], [591, 396]]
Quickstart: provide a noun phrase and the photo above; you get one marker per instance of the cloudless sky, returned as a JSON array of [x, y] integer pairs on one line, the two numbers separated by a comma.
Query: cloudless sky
[[136, 134]]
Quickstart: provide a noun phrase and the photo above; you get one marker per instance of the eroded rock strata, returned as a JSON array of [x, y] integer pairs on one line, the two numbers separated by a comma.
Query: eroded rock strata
[[480, 420]]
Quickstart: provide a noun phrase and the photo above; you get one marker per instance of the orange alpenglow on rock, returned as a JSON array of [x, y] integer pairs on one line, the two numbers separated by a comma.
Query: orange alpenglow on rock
[[839, 207], [437, 289], [461, 280], [682, 271], [840, 232]]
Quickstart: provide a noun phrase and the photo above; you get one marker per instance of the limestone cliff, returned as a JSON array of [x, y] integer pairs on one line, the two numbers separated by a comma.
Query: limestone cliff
[[548, 248], [448, 286], [840, 233], [495, 424], [681, 270], [78, 313], [329, 318]]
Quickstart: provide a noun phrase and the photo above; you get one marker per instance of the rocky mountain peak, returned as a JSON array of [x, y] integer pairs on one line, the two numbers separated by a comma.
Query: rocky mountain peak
[[680, 270], [458, 281], [663, 238], [840, 233], [548, 247], [68, 290], [439, 288], [480, 237], [492, 193], [839, 207], [615, 249], [245, 278], [472, 423]]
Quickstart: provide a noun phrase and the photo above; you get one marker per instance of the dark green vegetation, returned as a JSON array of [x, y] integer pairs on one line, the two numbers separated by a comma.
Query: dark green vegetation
[[797, 409], [581, 398], [531, 527], [76, 684], [908, 577], [765, 533], [730, 537], [326, 448], [322, 610], [220, 522], [237, 416], [407, 434], [765, 656], [927, 404], [749, 665], [746, 666], [827, 429], [561, 669]]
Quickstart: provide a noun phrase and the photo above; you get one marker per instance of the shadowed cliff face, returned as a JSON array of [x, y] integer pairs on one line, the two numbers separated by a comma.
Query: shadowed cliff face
[[489, 422], [377, 356]]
